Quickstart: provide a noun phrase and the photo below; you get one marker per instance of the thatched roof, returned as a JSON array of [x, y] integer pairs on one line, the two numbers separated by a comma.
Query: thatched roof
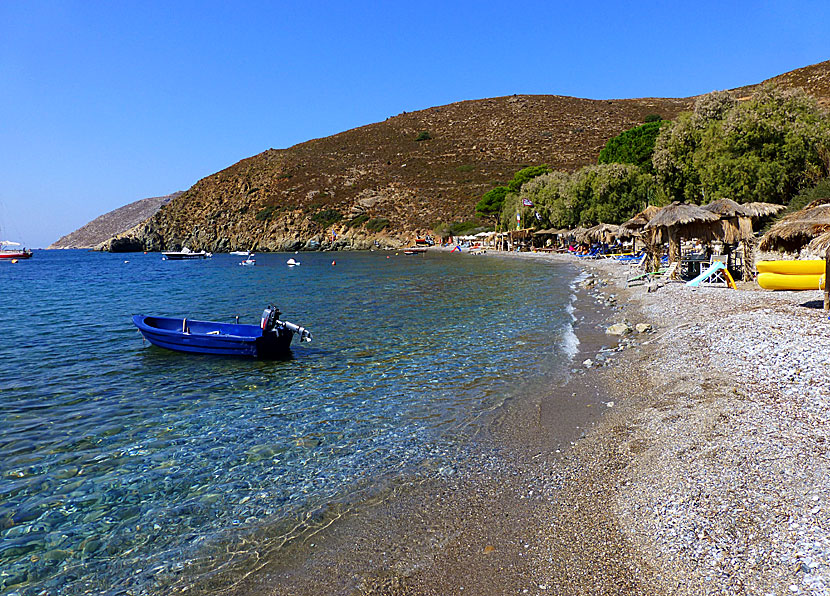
[[579, 233], [796, 230], [729, 208], [819, 244], [636, 223], [680, 214], [758, 210], [724, 208], [600, 233]]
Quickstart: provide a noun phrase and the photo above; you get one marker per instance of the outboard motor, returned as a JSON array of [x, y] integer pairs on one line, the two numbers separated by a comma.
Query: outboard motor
[[305, 334], [270, 316]]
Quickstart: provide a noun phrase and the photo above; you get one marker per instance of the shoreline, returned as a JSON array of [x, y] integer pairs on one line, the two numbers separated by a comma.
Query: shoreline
[[448, 531], [705, 473]]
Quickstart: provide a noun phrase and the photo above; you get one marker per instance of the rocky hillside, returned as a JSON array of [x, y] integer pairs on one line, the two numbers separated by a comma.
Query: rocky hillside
[[407, 173], [102, 228]]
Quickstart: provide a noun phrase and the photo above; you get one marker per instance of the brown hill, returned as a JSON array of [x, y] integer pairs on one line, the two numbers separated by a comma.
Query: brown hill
[[102, 228], [286, 199]]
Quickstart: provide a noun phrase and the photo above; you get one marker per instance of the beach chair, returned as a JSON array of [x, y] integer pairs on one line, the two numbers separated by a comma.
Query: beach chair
[[638, 266], [651, 278], [668, 274]]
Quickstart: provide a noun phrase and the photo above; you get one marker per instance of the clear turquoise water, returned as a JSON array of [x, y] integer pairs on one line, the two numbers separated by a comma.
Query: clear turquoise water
[[129, 469]]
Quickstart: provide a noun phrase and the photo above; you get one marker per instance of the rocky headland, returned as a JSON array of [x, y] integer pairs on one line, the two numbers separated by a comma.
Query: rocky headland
[[102, 229]]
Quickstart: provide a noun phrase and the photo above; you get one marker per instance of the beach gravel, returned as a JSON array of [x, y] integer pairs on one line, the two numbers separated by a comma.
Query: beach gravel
[[721, 439]]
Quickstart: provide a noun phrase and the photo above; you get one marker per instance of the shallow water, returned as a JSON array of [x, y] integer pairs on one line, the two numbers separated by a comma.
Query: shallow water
[[125, 468]]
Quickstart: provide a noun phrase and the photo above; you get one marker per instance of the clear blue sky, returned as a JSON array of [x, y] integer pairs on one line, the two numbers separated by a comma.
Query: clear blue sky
[[103, 103]]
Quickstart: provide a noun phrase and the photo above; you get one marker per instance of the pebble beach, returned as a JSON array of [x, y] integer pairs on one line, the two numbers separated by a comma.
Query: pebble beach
[[713, 463], [686, 456]]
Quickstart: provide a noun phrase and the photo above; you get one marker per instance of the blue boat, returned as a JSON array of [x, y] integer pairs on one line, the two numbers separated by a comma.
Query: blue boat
[[271, 339]]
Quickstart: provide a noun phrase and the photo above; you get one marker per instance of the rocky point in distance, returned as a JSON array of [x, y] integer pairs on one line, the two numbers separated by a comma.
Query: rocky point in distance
[[393, 180]]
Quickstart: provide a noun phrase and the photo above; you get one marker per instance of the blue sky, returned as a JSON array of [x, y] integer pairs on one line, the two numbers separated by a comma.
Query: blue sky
[[103, 103]]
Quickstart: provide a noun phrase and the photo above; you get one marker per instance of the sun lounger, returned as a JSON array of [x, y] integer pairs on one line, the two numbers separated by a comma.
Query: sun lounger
[[649, 277]]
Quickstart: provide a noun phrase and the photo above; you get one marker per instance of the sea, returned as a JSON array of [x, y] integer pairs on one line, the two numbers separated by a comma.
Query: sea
[[129, 469]]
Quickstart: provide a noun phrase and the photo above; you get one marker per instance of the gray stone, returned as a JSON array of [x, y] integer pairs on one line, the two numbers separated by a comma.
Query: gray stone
[[618, 329]]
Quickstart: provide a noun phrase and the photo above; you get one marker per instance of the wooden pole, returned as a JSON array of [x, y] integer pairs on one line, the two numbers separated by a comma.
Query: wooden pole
[[826, 285]]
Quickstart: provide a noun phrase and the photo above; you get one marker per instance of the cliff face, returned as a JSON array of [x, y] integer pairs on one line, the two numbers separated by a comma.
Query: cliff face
[[102, 228], [412, 171]]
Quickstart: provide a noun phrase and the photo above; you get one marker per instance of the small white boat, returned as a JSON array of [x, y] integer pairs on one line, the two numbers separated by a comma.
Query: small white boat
[[184, 254], [292, 263], [249, 262], [242, 253]]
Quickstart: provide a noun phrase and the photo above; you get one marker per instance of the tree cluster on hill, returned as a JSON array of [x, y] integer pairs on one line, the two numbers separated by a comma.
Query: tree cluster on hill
[[766, 148], [635, 146], [493, 200], [593, 194], [769, 147]]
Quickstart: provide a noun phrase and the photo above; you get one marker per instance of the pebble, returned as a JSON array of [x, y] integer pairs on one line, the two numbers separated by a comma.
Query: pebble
[[735, 423]]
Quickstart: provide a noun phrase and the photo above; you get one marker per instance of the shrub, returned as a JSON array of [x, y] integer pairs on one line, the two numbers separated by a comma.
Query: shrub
[[423, 136], [269, 212], [357, 221], [377, 224], [653, 118], [466, 168], [326, 217]]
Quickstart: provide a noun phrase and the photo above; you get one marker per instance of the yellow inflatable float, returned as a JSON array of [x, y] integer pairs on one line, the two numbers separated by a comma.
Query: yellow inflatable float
[[783, 281], [792, 267]]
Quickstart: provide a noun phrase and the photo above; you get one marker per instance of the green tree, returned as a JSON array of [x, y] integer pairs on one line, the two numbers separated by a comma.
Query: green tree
[[764, 149], [526, 174], [492, 201], [606, 193], [820, 191], [634, 146]]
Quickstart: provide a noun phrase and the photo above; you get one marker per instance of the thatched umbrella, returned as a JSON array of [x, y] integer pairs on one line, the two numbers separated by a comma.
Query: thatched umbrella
[[652, 239], [579, 235], [728, 211], [819, 244], [635, 225], [684, 219], [601, 233], [796, 230]]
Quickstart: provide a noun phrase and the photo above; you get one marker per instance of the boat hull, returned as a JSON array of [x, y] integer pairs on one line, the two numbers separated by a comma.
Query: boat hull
[[15, 254], [797, 267], [184, 256], [220, 339], [783, 281]]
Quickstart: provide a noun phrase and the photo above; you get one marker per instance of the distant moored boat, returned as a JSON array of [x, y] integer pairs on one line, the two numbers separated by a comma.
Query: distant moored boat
[[184, 254]]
